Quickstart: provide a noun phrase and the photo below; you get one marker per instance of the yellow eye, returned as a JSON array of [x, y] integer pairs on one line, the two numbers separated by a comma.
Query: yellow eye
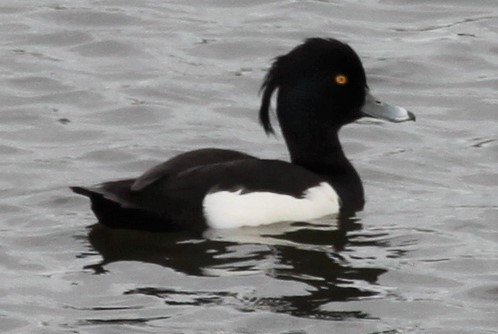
[[341, 79]]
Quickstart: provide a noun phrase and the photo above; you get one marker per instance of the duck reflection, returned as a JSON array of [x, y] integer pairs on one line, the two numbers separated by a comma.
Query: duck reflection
[[317, 255]]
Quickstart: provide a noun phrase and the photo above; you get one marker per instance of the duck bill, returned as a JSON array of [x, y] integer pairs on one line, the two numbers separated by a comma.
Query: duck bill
[[377, 109]]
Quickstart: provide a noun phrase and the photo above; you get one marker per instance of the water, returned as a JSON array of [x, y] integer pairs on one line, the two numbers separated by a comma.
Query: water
[[96, 90]]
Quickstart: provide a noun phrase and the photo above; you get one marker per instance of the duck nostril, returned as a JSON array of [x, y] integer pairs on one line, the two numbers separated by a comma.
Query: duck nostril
[[378, 102]]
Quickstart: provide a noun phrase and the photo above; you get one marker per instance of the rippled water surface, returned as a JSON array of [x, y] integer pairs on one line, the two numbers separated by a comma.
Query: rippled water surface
[[94, 90]]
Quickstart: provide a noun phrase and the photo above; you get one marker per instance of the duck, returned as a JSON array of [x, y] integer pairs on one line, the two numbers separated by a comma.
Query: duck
[[320, 86]]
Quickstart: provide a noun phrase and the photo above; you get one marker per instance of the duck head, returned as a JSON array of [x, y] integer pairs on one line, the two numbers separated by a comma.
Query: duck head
[[321, 87]]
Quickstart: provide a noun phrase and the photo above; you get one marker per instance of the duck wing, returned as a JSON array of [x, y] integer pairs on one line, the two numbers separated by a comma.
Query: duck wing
[[186, 161]]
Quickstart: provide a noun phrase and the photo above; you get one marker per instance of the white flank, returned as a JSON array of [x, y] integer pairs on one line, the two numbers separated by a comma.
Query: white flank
[[232, 209]]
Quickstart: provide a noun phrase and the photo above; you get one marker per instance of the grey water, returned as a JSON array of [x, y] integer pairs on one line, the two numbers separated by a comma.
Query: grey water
[[93, 90]]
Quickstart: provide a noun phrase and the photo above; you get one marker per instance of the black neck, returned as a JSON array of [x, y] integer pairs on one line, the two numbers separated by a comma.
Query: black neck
[[314, 145]]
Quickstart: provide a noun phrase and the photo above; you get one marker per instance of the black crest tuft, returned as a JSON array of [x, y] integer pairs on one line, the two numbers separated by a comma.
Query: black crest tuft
[[270, 84]]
